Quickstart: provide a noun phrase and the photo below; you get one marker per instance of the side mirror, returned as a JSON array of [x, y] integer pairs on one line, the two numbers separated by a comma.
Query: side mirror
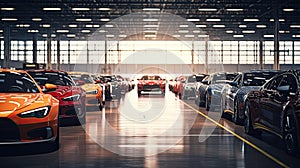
[[49, 87], [235, 84]]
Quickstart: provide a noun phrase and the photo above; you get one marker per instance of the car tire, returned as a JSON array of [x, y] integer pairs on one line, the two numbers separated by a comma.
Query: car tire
[[235, 117], [248, 127], [290, 132]]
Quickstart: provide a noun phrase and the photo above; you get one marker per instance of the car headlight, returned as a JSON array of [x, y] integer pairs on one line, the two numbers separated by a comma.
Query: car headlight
[[36, 113], [92, 92], [72, 98]]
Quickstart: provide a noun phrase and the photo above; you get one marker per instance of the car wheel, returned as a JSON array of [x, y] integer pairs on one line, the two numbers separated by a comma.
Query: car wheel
[[207, 102], [248, 127], [235, 117], [139, 93], [290, 132]]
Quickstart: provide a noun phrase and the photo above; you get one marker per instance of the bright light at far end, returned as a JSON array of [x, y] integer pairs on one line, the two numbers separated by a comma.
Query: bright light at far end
[[288, 10], [7, 9]]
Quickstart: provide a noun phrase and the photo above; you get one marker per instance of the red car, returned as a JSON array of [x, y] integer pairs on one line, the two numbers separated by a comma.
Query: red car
[[151, 84], [179, 85], [275, 108], [71, 98]]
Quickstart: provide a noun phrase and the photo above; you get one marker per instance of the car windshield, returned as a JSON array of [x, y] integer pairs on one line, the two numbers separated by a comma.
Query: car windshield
[[257, 78], [13, 82], [222, 78], [83, 77], [199, 78], [55, 78], [151, 78], [192, 79]]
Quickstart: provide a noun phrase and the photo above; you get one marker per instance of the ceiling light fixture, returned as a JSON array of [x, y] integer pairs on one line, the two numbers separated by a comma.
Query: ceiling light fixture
[[207, 9], [234, 10], [80, 9], [37, 19], [213, 20], [251, 20], [9, 19], [51, 9], [193, 20], [151, 9], [7, 9], [83, 20]]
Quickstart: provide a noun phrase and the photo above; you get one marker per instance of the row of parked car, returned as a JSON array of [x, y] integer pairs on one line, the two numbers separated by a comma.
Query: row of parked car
[[260, 100], [34, 103]]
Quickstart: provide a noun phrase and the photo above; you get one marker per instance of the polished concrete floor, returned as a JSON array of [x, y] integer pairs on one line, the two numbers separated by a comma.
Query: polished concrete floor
[[154, 131]]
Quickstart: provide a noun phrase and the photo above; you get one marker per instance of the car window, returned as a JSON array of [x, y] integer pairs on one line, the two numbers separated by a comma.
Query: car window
[[55, 78], [12, 82]]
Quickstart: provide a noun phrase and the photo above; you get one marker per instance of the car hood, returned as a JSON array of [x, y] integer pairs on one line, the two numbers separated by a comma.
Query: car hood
[[63, 91], [13, 102], [150, 82]]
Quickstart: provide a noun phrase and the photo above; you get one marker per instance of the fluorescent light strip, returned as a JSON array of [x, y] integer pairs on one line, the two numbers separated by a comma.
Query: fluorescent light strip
[[238, 35], [85, 31], [251, 20], [203, 35], [150, 20], [288, 10], [51, 9], [213, 20], [110, 35], [234, 10], [248, 31], [189, 36], [284, 31], [296, 36], [193, 20], [201, 26], [207, 9], [108, 25], [242, 26], [23, 25], [151, 9], [71, 35], [7, 9], [176, 35], [33, 31], [62, 31], [123, 35], [219, 26], [261, 26], [183, 31], [183, 26], [83, 20], [73, 25], [196, 31], [45, 25], [280, 20], [229, 31], [150, 26], [9, 19], [150, 31], [37, 19], [104, 20], [268, 35], [294, 26], [81, 9], [104, 9], [1, 31]]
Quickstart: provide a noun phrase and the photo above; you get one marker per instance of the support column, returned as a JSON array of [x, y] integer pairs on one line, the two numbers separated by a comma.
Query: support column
[[261, 56], [119, 56], [105, 70], [206, 55], [293, 54], [192, 66], [276, 65], [49, 64], [7, 57], [69, 55], [58, 53], [87, 57], [238, 64], [25, 51], [34, 48]]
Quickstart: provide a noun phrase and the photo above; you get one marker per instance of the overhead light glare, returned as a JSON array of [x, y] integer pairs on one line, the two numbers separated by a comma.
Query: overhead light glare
[[268, 35], [234, 10], [207, 9], [229, 31], [201, 26], [122, 35], [71, 35], [83, 20], [104, 20], [261, 26], [238, 35], [182, 26], [203, 35], [294, 26], [251, 20], [73, 25], [110, 35], [242, 26], [109, 25], [288, 10], [296, 36], [150, 26], [219, 26], [248, 31], [9, 19], [183, 31], [85, 31], [150, 20], [189, 35], [33, 31], [45, 25], [104, 9], [7, 9], [37, 19], [213, 20], [23, 25], [151, 9], [51, 9], [62, 31]]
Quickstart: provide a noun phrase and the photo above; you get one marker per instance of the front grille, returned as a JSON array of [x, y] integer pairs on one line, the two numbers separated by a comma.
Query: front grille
[[151, 87], [8, 131]]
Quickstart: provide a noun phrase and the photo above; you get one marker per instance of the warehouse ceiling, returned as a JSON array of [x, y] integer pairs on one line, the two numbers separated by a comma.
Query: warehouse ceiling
[[218, 19]]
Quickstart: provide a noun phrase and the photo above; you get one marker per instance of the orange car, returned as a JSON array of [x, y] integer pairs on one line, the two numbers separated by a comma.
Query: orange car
[[93, 91], [27, 115]]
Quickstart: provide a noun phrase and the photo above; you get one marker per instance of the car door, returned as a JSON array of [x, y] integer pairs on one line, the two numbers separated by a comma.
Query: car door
[[232, 90]]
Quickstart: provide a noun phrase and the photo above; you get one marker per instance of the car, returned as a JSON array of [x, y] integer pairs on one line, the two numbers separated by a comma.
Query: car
[[209, 90], [71, 97], [190, 85], [93, 90], [275, 108], [177, 89], [105, 87], [151, 84], [115, 84], [171, 84], [27, 114], [233, 94]]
